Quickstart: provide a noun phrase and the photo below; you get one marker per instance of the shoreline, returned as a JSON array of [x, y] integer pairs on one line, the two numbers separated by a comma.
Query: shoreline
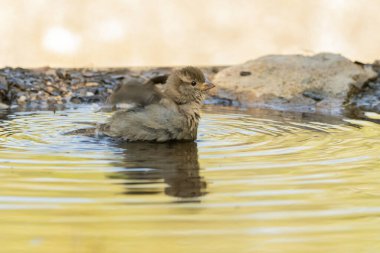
[[270, 82]]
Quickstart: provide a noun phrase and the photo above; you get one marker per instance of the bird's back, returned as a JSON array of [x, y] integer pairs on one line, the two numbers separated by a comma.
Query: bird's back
[[135, 91]]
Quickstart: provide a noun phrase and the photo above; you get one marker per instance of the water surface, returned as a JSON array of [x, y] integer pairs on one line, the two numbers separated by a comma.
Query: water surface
[[255, 181]]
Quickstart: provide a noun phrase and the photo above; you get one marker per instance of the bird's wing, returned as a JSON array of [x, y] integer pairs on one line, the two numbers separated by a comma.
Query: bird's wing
[[135, 91], [154, 123]]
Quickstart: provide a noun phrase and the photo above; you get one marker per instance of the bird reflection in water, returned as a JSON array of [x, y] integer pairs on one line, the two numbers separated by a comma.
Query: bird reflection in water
[[147, 164]]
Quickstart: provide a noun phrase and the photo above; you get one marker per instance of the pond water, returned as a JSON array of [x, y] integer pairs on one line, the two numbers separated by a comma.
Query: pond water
[[255, 181]]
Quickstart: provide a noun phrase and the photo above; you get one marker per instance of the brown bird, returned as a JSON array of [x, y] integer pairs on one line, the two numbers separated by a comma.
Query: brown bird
[[159, 115]]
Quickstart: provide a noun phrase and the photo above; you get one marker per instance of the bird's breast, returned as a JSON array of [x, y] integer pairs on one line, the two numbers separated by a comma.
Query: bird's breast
[[191, 117]]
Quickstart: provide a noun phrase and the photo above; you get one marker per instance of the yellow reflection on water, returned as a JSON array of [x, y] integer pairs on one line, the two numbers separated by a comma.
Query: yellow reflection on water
[[252, 183]]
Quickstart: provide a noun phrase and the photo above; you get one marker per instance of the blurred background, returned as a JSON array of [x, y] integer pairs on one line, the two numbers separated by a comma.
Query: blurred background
[[111, 33]]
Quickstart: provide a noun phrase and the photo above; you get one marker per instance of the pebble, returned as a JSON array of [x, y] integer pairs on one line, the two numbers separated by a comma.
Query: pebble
[[91, 84], [3, 106], [245, 73], [49, 89], [21, 99]]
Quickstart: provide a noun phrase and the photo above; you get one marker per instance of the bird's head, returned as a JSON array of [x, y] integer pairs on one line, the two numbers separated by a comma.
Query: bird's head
[[188, 84]]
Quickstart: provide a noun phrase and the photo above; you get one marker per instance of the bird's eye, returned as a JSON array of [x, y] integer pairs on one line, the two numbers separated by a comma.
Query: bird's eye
[[193, 83]]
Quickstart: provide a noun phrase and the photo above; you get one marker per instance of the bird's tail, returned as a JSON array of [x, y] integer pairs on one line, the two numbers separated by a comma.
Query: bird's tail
[[91, 132], [83, 132]]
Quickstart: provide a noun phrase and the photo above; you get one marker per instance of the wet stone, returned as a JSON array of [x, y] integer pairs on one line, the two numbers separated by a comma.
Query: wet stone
[[365, 99]]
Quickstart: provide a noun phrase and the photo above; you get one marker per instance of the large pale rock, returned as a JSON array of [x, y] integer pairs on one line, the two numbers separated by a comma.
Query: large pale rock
[[319, 83]]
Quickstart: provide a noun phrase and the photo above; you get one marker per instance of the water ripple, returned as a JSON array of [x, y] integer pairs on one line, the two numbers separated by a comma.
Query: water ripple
[[254, 180]]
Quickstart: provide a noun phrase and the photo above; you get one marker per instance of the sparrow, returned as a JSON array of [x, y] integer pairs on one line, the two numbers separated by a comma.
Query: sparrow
[[169, 113]]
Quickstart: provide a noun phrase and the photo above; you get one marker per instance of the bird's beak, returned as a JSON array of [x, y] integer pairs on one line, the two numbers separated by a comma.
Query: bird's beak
[[207, 85]]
